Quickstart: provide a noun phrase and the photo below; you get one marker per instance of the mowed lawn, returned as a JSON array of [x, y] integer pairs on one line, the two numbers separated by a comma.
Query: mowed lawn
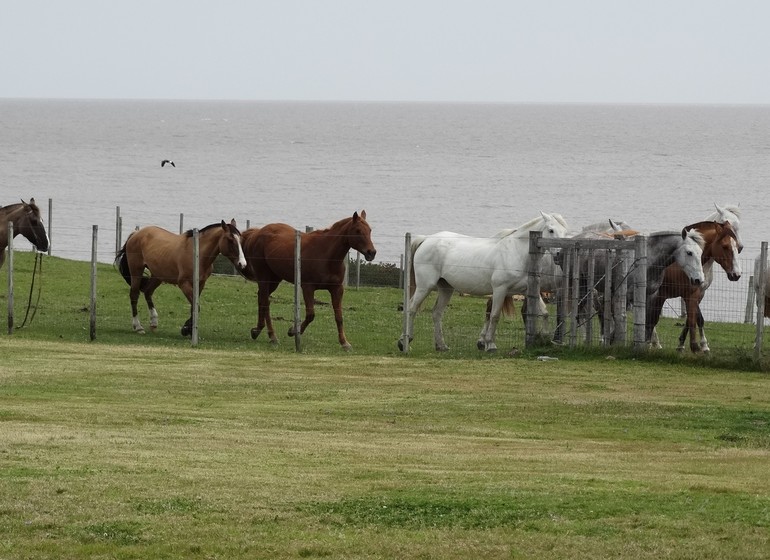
[[145, 451]]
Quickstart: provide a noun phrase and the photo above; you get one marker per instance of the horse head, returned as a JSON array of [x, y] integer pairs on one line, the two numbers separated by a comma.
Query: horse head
[[688, 255], [729, 213], [230, 244], [30, 225], [359, 235], [725, 251]]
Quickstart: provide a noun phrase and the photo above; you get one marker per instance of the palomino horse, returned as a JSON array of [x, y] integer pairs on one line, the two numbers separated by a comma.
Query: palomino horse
[[270, 259], [26, 221], [169, 258], [449, 261], [721, 246]]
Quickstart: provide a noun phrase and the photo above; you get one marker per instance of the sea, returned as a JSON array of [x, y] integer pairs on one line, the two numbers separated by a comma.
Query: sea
[[414, 167]]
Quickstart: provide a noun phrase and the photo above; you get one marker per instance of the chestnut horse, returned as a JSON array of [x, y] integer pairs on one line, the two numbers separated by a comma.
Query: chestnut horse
[[169, 258], [26, 221], [721, 246], [270, 260]]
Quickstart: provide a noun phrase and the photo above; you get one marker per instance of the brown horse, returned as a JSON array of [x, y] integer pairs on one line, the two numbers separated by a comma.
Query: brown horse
[[722, 247], [270, 259], [26, 221], [169, 258]]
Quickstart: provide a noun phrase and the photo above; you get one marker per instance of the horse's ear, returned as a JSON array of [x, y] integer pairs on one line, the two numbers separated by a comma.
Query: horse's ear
[[232, 223], [355, 216], [224, 225], [684, 233], [363, 214]]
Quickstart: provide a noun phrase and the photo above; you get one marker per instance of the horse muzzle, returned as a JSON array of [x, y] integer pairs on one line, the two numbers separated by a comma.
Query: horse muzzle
[[369, 255], [733, 276], [696, 281]]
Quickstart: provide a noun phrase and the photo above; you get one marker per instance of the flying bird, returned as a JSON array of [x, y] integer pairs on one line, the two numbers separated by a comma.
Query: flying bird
[[165, 161]]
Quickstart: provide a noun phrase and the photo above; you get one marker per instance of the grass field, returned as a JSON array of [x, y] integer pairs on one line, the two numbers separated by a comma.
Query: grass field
[[143, 447]]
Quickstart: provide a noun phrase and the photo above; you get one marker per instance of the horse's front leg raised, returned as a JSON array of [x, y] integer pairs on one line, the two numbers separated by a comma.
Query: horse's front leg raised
[[336, 294]]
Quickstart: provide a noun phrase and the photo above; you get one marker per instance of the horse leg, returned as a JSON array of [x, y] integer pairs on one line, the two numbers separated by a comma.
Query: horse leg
[[704, 344], [415, 301], [187, 290], [336, 294], [444, 295], [653, 310], [495, 309], [308, 295], [151, 284], [693, 310], [481, 342], [133, 296], [263, 315]]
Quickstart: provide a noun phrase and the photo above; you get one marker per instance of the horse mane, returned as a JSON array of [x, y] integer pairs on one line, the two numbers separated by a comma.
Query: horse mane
[[189, 232], [524, 228]]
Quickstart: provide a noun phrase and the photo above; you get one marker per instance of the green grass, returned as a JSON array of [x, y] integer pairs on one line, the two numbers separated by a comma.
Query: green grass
[[110, 452], [142, 447], [373, 321]]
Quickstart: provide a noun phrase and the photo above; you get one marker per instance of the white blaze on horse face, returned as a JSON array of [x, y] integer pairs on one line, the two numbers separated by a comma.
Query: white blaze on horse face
[[688, 256], [241, 257]]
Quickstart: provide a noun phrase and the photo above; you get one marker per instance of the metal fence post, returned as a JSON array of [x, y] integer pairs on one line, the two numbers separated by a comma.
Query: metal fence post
[[92, 316], [407, 264], [10, 277], [760, 277], [48, 231]]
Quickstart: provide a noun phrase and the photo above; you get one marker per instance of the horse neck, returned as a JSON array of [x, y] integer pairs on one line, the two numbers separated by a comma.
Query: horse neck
[[208, 245], [332, 243], [664, 252], [10, 213]]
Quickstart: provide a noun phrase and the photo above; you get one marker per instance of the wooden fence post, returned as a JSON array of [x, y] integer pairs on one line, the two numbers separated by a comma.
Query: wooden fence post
[[533, 289], [640, 292]]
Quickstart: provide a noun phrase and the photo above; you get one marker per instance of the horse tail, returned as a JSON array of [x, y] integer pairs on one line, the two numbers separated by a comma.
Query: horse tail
[[121, 261], [416, 242], [508, 307]]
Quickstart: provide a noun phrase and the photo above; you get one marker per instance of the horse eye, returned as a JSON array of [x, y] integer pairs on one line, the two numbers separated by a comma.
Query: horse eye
[[689, 253]]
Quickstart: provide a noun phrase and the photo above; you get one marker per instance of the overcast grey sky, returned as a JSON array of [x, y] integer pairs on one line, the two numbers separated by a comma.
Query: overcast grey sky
[[627, 51]]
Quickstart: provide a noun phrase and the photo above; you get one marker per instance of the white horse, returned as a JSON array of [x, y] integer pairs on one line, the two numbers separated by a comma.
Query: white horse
[[448, 261], [728, 213]]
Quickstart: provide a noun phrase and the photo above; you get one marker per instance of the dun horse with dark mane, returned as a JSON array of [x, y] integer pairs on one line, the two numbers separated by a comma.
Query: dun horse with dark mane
[[169, 258], [26, 221], [270, 260]]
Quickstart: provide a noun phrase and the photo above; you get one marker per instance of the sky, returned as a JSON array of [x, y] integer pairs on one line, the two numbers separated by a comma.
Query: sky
[[510, 51]]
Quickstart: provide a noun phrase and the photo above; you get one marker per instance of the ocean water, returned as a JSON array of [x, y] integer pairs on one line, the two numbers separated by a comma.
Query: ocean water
[[414, 167]]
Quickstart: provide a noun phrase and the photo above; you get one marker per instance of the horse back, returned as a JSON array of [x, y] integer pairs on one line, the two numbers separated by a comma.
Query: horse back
[[162, 252]]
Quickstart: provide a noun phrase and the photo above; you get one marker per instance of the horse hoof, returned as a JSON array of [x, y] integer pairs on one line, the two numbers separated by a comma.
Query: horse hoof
[[400, 345], [185, 331], [347, 347], [274, 341], [492, 350], [292, 332], [139, 331], [254, 333], [153, 328], [443, 348], [480, 344]]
